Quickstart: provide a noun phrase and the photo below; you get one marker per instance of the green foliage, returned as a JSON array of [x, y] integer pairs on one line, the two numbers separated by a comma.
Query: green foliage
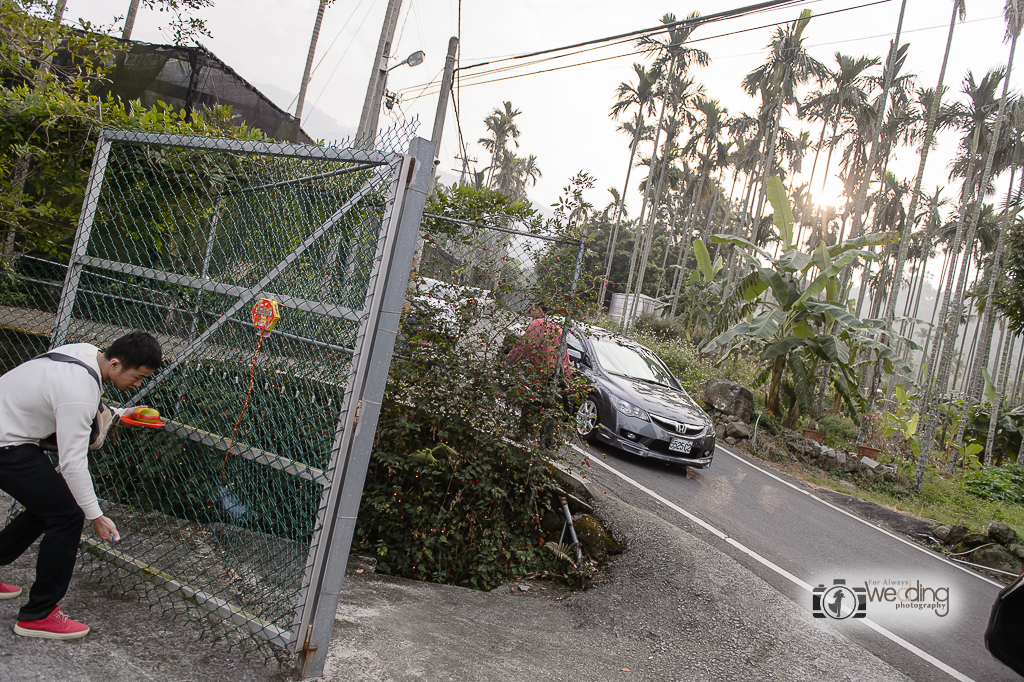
[[661, 328], [49, 120], [903, 420], [802, 329], [997, 483], [459, 479], [837, 431], [446, 502]]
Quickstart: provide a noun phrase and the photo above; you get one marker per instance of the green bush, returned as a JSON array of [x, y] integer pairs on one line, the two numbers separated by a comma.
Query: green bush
[[682, 358], [837, 431], [446, 502], [997, 483], [659, 327]]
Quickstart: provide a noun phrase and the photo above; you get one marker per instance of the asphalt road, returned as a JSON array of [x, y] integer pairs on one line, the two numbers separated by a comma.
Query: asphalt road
[[795, 539]]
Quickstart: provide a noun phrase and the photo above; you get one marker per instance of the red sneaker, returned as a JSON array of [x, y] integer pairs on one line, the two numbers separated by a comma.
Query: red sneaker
[[9, 591], [55, 626]]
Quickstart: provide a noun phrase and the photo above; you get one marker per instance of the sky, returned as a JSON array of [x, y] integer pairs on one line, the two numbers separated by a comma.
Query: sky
[[565, 112]]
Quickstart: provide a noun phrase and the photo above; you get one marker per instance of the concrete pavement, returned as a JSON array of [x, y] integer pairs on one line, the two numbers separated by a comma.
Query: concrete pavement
[[671, 608]]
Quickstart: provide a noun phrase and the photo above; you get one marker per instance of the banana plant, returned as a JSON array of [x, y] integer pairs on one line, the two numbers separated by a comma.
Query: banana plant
[[799, 323]]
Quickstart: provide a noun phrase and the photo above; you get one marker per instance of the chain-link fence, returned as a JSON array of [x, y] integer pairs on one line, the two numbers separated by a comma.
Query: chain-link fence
[[234, 513]]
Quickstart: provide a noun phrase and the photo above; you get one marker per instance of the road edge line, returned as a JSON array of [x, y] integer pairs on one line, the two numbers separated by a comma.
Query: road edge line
[[891, 636], [857, 518]]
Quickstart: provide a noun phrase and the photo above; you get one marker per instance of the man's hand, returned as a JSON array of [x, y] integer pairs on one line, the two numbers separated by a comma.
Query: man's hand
[[128, 412], [106, 529]]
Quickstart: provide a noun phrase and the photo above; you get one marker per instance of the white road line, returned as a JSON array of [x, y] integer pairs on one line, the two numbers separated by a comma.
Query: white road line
[[853, 516], [891, 636]]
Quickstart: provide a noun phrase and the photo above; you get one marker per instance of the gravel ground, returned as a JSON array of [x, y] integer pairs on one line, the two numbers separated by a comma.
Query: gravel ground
[[671, 608]]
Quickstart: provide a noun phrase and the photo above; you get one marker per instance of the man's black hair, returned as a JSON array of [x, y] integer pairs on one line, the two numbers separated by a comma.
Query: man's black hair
[[136, 349]]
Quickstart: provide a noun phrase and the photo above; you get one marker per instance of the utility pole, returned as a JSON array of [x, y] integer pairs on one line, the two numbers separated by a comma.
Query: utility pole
[[367, 132], [442, 98], [309, 57], [129, 20]]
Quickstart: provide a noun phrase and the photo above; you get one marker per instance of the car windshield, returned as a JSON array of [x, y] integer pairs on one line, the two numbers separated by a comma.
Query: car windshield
[[634, 362]]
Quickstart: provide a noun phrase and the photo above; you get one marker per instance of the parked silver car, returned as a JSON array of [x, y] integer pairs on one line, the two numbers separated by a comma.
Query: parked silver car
[[635, 403]]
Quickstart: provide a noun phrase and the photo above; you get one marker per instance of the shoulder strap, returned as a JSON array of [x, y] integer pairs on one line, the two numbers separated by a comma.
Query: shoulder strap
[[61, 357]]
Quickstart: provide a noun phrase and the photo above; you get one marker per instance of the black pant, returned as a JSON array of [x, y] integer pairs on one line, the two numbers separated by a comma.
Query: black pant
[[27, 475]]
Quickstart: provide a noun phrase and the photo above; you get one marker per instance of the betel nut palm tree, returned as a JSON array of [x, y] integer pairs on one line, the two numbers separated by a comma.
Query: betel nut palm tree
[[1013, 13], [502, 128], [673, 58], [641, 96], [788, 66]]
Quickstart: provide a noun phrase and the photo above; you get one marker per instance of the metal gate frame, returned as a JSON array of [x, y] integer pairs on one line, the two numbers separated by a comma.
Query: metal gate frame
[[343, 480]]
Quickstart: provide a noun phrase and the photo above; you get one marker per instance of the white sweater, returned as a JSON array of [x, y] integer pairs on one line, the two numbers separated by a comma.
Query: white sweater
[[41, 397]]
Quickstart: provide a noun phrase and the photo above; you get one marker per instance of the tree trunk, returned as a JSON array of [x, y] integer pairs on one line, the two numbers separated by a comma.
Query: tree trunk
[[869, 170], [618, 221], [640, 219], [933, 112], [993, 420], [990, 158]]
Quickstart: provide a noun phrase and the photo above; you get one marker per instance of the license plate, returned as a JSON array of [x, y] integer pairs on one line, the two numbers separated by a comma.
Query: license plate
[[680, 445]]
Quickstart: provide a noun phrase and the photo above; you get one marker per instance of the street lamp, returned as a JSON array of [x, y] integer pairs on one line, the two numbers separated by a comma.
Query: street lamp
[[415, 59], [368, 128]]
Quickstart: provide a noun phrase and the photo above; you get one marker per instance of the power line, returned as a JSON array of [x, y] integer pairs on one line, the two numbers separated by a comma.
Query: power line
[[661, 28], [618, 56]]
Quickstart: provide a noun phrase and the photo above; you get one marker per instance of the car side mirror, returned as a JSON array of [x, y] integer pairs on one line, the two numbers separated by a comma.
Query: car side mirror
[[578, 357]]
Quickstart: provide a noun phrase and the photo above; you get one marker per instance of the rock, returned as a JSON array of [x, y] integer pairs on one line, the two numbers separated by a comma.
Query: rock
[[802, 448], [848, 485], [719, 430], [729, 440], [889, 476], [955, 535], [1001, 533], [730, 398], [737, 429], [841, 456], [829, 463], [850, 466], [598, 542], [975, 540], [997, 557], [870, 463], [1017, 550], [941, 533], [523, 587], [868, 475]]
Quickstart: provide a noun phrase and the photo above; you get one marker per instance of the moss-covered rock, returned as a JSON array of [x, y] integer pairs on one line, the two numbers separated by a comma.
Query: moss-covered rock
[[596, 540]]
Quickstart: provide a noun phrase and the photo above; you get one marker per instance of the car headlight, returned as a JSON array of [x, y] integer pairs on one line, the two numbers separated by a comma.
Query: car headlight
[[629, 409]]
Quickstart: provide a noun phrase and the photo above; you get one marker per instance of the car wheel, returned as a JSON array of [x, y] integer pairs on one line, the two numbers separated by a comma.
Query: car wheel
[[587, 419]]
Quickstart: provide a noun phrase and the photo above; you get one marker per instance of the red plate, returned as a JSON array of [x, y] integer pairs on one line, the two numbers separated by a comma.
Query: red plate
[[152, 425]]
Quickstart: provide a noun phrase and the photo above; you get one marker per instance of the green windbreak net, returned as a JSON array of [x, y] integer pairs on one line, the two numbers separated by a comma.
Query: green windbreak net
[[221, 510]]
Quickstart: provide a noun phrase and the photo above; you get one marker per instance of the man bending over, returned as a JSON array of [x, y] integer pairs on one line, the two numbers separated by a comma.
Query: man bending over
[[58, 394]]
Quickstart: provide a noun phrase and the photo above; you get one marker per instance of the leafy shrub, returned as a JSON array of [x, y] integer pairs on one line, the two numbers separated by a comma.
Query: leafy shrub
[[446, 502], [659, 327], [837, 431], [1002, 483], [458, 482], [682, 358], [767, 422]]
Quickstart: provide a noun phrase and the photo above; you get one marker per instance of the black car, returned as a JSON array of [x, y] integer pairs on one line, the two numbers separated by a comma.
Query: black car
[[635, 403]]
